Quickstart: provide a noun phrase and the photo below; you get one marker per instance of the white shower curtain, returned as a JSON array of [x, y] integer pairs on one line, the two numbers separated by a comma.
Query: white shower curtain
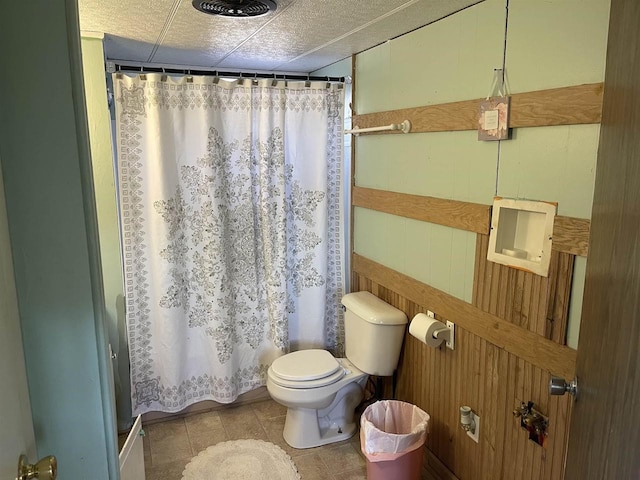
[[231, 217]]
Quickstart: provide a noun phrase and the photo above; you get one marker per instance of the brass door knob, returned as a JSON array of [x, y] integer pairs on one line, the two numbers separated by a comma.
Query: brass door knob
[[45, 469]]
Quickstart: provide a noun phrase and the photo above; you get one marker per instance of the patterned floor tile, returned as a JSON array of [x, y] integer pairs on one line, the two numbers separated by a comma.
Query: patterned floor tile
[[170, 445]]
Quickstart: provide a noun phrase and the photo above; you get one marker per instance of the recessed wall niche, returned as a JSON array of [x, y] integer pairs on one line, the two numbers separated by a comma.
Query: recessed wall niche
[[521, 234]]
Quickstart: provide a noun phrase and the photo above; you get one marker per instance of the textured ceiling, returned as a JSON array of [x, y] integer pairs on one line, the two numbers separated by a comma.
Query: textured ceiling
[[300, 36]]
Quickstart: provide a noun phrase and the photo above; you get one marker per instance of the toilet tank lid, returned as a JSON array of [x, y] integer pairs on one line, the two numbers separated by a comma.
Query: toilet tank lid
[[372, 309]]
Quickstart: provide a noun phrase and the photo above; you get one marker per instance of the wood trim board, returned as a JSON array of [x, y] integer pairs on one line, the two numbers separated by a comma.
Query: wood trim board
[[573, 105], [529, 346], [472, 217], [352, 172], [570, 235]]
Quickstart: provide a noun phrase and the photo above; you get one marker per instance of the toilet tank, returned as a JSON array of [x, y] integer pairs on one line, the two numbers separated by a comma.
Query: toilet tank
[[374, 331]]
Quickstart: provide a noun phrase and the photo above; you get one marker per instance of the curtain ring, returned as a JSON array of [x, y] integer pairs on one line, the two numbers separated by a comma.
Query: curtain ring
[[274, 82], [307, 84]]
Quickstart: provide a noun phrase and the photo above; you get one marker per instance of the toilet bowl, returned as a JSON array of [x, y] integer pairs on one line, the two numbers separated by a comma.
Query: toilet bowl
[[320, 392]]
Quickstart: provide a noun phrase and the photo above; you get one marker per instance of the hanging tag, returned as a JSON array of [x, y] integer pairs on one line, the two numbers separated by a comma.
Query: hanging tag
[[493, 120]]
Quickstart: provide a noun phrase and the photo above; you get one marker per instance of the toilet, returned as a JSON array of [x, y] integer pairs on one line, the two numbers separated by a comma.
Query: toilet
[[321, 392]]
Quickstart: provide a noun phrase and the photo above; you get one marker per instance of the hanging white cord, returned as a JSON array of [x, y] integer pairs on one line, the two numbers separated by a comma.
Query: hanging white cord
[[498, 81], [405, 127]]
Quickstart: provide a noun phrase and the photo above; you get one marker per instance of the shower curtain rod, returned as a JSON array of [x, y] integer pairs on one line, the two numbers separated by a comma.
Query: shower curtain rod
[[224, 73]]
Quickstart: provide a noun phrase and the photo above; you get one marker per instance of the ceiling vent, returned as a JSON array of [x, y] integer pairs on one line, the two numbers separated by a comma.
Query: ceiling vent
[[235, 8]]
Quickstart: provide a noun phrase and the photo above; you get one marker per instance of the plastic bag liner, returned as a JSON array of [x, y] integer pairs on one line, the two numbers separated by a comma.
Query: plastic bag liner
[[392, 434]]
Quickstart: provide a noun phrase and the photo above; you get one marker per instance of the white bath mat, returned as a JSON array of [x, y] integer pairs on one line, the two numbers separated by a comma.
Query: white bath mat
[[241, 460]]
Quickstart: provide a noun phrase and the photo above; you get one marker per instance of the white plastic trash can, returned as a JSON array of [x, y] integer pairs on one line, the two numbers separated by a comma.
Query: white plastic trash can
[[392, 436]]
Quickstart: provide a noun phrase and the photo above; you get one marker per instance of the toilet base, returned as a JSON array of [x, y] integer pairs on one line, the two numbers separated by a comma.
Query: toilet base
[[312, 437], [307, 428]]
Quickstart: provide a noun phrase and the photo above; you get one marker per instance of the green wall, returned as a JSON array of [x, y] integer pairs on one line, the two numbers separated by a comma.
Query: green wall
[[16, 427], [548, 44], [45, 166], [343, 68], [338, 69], [107, 212]]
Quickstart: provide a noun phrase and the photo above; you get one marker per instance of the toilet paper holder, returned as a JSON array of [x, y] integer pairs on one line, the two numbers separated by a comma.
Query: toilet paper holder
[[426, 328], [443, 333], [446, 333]]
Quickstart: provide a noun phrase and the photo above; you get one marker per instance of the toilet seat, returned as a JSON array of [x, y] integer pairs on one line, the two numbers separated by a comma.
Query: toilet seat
[[306, 369]]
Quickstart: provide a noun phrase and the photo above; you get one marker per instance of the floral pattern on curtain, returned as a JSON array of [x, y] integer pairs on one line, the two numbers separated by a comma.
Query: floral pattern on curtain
[[231, 217]]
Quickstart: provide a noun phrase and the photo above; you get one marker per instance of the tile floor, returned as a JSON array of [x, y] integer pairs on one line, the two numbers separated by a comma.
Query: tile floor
[[169, 445]]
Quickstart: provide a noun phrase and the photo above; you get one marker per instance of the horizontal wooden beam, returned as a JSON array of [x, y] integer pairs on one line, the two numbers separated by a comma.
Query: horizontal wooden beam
[[452, 213], [531, 347], [445, 117], [570, 235], [578, 104]]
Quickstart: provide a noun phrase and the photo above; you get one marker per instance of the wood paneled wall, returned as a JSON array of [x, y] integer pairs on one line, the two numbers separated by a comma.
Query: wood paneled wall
[[486, 377], [535, 349], [539, 304], [511, 337]]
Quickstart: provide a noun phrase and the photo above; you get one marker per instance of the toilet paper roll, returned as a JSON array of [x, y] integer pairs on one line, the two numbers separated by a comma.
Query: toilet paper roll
[[422, 327]]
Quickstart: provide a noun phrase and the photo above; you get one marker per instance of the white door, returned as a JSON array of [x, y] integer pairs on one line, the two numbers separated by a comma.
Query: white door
[[16, 427]]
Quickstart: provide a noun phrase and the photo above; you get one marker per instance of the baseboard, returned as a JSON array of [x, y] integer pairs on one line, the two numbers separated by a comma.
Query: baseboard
[[257, 395], [434, 469]]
